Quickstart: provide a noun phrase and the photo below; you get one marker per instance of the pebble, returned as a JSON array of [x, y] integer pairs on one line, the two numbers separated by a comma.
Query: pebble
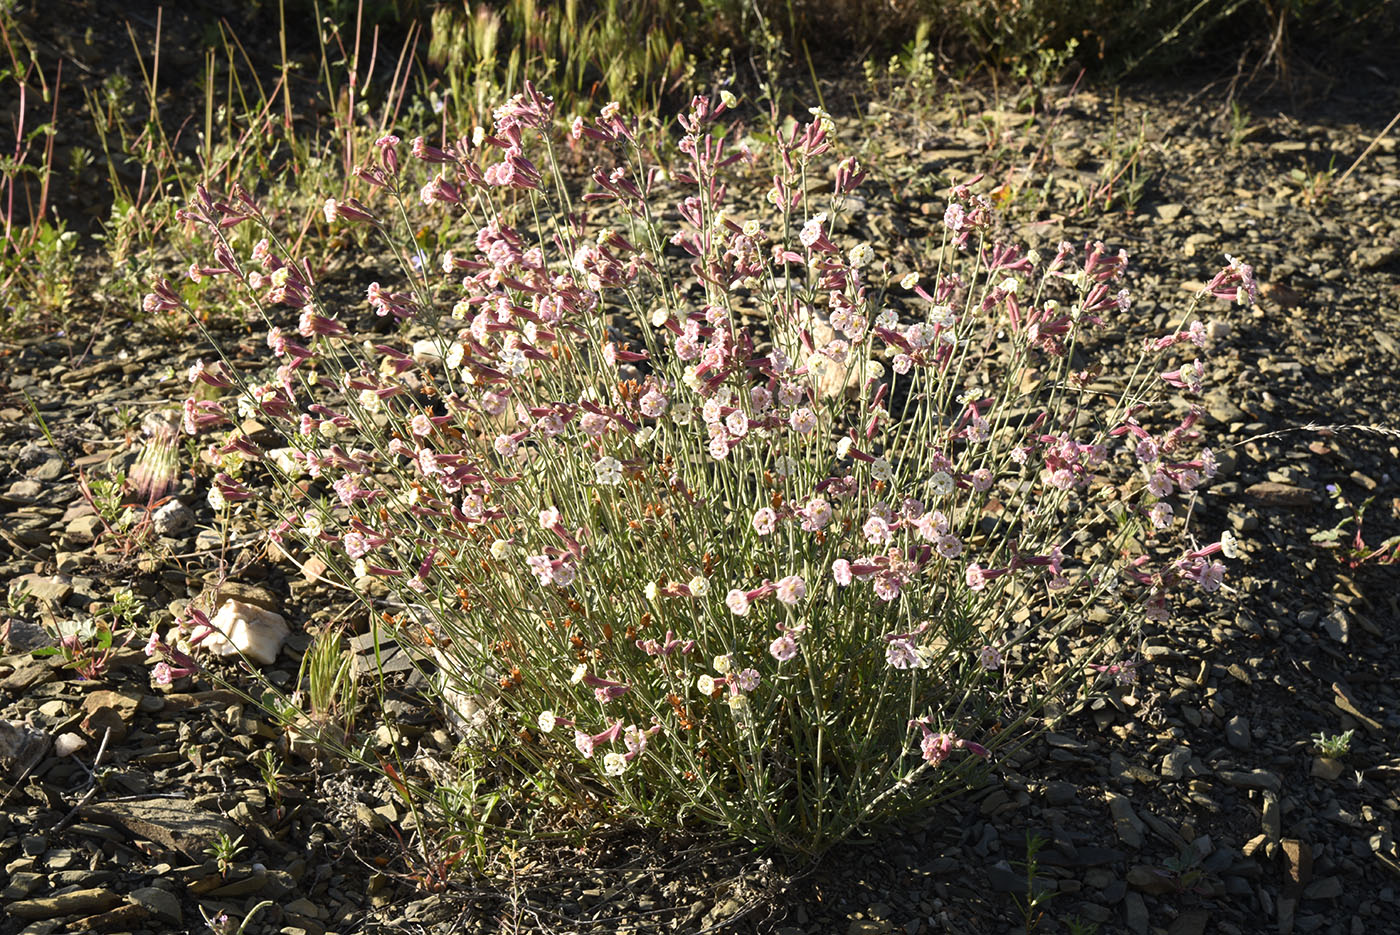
[[242, 628], [160, 903], [75, 902], [1326, 768], [1135, 913], [1125, 821], [172, 519], [1174, 763], [1237, 732], [1254, 779]]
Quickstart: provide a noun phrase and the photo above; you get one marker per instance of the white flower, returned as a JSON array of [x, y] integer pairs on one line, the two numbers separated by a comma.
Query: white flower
[[1229, 545], [608, 471], [723, 664], [705, 684], [941, 484], [861, 254], [738, 702], [881, 469], [546, 721], [699, 586], [500, 549], [727, 98], [614, 764], [910, 280], [580, 671]]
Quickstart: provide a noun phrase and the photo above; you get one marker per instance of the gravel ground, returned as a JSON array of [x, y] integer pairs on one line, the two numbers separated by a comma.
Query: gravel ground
[[1192, 801]]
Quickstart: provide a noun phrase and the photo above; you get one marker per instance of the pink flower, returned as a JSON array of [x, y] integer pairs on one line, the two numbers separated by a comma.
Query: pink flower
[[653, 404], [791, 589], [901, 655], [738, 602], [803, 421], [162, 673], [877, 531], [764, 521], [841, 571], [989, 657], [783, 648], [887, 587], [1211, 575]]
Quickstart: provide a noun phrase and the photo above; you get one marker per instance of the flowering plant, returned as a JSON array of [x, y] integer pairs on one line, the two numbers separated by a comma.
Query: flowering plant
[[705, 505]]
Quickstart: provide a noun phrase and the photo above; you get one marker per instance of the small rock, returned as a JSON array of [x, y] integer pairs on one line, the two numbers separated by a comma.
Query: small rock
[[21, 746], [240, 628], [73, 903], [1324, 767], [1237, 732], [172, 519], [1169, 212], [1149, 880], [50, 469], [1338, 626], [1217, 330], [1324, 888], [51, 589], [1272, 818], [1174, 763], [1272, 493], [1135, 913], [1125, 822], [160, 903], [1299, 856], [1191, 922], [83, 530], [869, 927], [1255, 779], [25, 490], [1060, 792], [68, 744], [24, 636]]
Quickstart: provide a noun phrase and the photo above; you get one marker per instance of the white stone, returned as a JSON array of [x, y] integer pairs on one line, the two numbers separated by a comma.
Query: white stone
[[240, 628], [68, 743], [172, 519]]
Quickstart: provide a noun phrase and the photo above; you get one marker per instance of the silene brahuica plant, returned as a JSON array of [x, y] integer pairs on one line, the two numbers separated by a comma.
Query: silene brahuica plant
[[707, 518]]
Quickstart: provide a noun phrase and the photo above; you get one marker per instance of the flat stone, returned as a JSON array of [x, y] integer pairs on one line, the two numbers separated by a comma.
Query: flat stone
[[1125, 821], [174, 823], [1190, 922], [83, 530], [21, 746], [124, 917], [1150, 880], [172, 519], [1272, 493], [1174, 763], [1255, 779], [239, 628], [869, 927], [1237, 732], [24, 636], [1324, 888], [1324, 767], [1272, 818], [1299, 857], [73, 903], [53, 589], [1135, 913]]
